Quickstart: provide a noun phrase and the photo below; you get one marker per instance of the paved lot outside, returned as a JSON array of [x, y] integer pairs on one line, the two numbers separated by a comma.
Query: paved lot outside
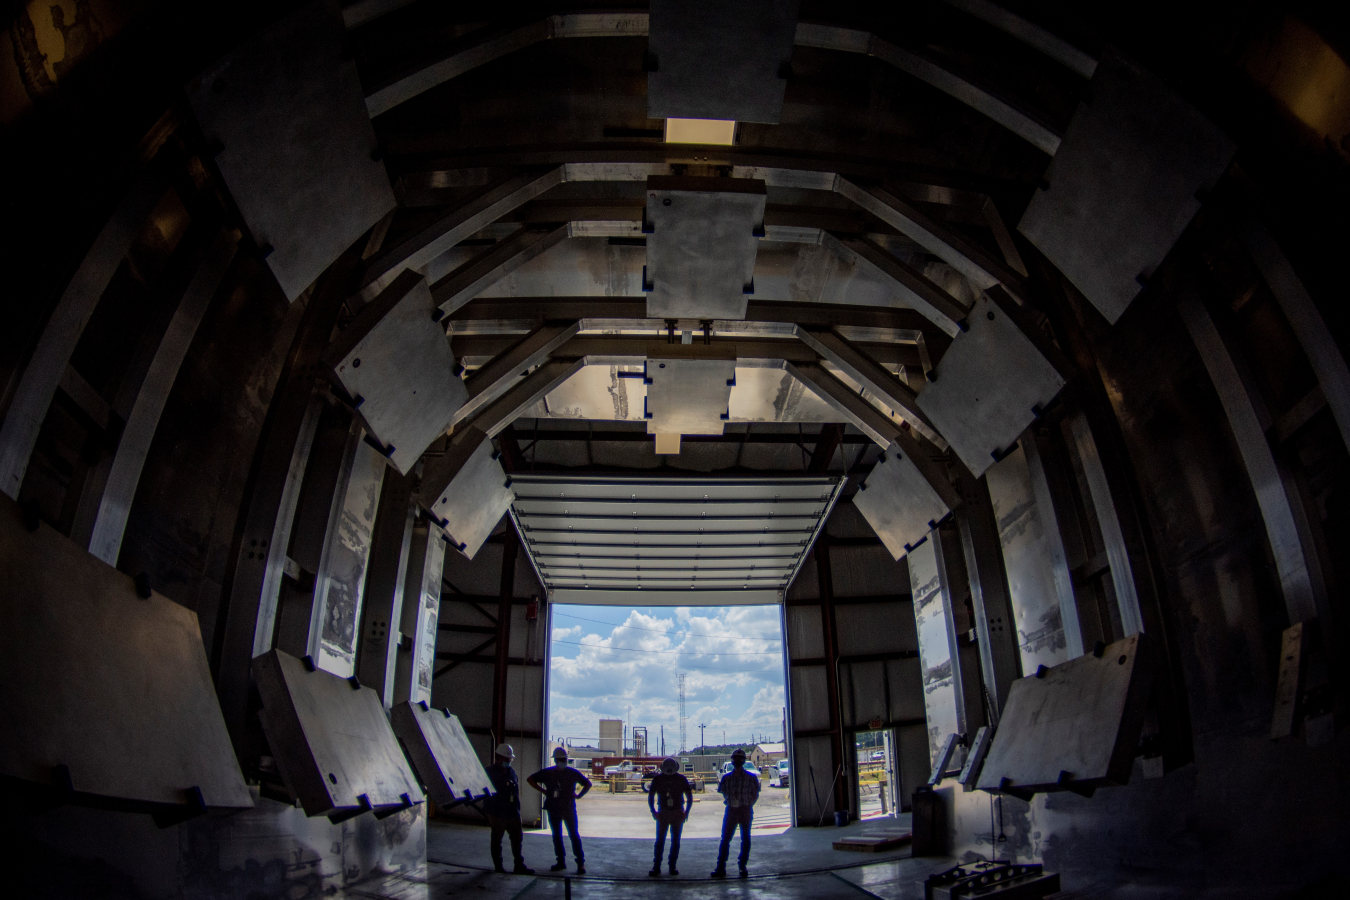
[[625, 815]]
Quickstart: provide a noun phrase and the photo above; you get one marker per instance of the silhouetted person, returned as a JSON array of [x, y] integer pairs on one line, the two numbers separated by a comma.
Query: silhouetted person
[[669, 799], [558, 785], [739, 790], [503, 810]]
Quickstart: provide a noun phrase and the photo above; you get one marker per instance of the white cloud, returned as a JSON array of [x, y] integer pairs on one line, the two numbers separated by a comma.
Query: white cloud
[[731, 657]]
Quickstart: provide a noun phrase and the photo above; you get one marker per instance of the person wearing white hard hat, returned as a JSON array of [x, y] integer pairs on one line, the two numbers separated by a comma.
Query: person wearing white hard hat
[[672, 793], [558, 784], [503, 810]]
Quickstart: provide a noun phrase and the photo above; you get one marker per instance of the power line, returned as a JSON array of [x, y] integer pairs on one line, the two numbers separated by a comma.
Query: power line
[[686, 652], [693, 666], [661, 631]]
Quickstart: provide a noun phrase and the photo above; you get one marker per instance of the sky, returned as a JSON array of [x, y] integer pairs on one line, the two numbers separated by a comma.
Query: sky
[[605, 659]]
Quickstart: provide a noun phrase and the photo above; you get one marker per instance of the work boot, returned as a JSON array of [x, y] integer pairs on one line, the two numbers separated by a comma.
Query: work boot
[[745, 873], [557, 866], [522, 869], [656, 870], [581, 868], [498, 867], [719, 872], [673, 870]]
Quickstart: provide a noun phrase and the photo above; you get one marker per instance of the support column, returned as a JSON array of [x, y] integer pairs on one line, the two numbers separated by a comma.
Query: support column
[[252, 582], [1298, 568], [124, 474], [501, 661], [386, 578], [1000, 663], [830, 639], [37, 386]]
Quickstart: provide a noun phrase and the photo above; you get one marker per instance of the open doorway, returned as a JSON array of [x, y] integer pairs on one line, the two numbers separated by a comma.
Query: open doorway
[[628, 686], [878, 773]]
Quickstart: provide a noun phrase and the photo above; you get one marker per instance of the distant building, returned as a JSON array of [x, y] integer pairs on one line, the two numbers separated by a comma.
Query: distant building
[[762, 755], [611, 737]]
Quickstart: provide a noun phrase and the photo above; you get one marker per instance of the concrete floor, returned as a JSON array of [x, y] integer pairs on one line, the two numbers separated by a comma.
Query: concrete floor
[[795, 851], [797, 864]]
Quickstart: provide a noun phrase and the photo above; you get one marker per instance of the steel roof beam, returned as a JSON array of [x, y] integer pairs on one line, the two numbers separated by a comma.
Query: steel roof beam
[[489, 267], [498, 43], [473, 214], [867, 372], [929, 300], [876, 425], [495, 378]]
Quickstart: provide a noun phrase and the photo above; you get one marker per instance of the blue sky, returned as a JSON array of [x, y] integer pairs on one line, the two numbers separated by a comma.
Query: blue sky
[[606, 658]]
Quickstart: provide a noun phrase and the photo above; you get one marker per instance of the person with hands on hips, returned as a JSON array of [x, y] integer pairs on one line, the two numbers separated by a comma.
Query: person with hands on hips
[[670, 799], [558, 784]]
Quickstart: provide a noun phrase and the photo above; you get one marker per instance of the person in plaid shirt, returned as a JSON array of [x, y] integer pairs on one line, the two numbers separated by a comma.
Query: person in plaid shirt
[[739, 790]]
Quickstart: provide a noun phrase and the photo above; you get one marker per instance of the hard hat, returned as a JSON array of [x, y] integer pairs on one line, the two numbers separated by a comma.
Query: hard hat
[[559, 753], [504, 750], [670, 765], [738, 753]]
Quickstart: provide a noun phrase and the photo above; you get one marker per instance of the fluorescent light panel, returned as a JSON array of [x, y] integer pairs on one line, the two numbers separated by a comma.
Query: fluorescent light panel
[[701, 131]]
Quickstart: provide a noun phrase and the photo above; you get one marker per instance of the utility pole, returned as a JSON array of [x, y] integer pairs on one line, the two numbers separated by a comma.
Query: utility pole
[[702, 744], [683, 717]]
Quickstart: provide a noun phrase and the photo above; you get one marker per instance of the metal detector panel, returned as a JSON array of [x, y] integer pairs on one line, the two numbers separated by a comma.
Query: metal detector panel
[[331, 740], [103, 687], [298, 150], [1076, 727], [689, 396], [898, 502], [478, 494], [719, 60], [702, 245], [441, 753], [1124, 184], [397, 361], [990, 385]]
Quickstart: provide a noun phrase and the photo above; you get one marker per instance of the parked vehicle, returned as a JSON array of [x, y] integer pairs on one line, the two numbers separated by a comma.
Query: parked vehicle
[[749, 767], [780, 774], [879, 756]]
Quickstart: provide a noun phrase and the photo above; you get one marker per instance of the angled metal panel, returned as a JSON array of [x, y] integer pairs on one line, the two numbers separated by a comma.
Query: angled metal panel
[[113, 686], [440, 752], [1076, 727], [331, 739], [1123, 186], [719, 60], [476, 496], [989, 386], [702, 246], [689, 396], [396, 359], [899, 503], [298, 146]]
